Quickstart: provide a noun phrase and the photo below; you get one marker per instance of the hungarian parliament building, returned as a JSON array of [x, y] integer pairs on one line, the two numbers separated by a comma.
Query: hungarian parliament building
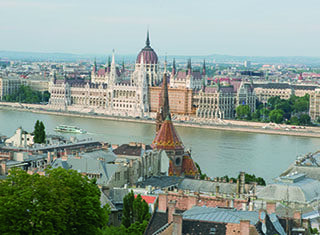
[[113, 91]]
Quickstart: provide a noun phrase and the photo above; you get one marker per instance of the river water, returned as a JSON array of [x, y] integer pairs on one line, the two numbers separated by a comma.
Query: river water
[[218, 152]]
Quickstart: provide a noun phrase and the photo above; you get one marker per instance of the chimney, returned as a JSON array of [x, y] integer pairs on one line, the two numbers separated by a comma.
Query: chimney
[[297, 217], [3, 168], [271, 207], [217, 190], [262, 216], [177, 224], [244, 227], [171, 210], [242, 182]]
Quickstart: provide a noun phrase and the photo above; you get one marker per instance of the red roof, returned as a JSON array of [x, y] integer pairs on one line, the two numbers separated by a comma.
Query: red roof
[[167, 137], [148, 199], [188, 167], [149, 56]]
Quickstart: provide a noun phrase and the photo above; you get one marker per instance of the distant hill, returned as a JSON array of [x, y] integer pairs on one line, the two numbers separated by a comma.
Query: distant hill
[[69, 57]]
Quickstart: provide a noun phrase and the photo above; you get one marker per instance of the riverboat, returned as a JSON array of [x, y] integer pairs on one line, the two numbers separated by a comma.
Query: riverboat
[[69, 129]]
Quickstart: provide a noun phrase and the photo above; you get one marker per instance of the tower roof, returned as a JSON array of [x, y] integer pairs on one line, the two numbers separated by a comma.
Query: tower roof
[[148, 55], [167, 138]]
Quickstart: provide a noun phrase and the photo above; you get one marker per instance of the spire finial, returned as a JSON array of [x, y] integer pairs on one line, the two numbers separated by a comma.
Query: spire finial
[[148, 40], [113, 60], [165, 63]]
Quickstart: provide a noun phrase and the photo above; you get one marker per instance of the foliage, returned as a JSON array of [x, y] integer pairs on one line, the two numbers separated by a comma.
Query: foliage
[[135, 215], [292, 111], [39, 133], [202, 176], [294, 120], [61, 202], [276, 116], [252, 178], [243, 112], [314, 231], [27, 95]]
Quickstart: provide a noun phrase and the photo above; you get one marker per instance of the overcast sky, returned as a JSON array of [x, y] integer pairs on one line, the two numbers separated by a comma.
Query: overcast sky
[[177, 27]]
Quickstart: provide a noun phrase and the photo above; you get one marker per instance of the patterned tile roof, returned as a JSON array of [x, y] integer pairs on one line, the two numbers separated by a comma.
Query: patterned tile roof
[[167, 137]]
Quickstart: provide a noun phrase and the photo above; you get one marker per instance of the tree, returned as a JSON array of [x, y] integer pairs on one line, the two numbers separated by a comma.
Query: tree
[[273, 101], [294, 120], [304, 119], [135, 214], [243, 112], [256, 115], [39, 133], [61, 202], [276, 116], [42, 133]]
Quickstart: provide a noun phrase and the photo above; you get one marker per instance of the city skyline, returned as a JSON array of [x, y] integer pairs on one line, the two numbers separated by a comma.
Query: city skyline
[[247, 28]]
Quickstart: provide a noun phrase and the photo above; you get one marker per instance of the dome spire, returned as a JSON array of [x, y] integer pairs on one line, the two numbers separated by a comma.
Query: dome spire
[[148, 40]]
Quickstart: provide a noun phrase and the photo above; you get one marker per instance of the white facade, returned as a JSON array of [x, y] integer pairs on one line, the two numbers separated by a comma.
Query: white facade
[[20, 139], [107, 93]]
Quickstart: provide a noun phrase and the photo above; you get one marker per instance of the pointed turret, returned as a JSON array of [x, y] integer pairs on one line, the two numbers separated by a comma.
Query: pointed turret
[[174, 66], [123, 69], [189, 67], [163, 110], [204, 68], [94, 68], [148, 40], [108, 65]]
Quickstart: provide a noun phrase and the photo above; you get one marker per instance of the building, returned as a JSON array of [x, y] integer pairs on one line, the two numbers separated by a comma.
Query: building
[[20, 139], [221, 100], [217, 220], [188, 78], [11, 84], [264, 91], [168, 140], [109, 91], [314, 110]]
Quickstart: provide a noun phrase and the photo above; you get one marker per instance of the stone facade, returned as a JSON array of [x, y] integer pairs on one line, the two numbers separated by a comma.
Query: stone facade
[[314, 110], [220, 102], [109, 91], [9, 85], [188, 79]]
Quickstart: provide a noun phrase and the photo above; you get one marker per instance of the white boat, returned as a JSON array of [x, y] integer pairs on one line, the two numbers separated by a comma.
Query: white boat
[[70, 129]]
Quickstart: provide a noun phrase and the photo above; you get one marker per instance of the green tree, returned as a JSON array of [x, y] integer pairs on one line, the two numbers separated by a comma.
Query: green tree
[[276, 116], [135, 215], [39, 133], [256, 115], [61, 202], [36, 132], [273, 101], [294, 120], [243, 112], [304, 119], [42, 133]]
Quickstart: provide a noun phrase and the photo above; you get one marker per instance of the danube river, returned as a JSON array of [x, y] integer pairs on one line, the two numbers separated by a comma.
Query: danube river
[[218, 152]]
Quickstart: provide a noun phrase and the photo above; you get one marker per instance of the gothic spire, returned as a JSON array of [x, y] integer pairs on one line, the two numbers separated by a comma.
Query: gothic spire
[[204, 68], [163, 110], [148, 40], [174, 66]]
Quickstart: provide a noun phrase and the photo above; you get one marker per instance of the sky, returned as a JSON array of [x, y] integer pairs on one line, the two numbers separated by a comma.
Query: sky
[[177, 27]]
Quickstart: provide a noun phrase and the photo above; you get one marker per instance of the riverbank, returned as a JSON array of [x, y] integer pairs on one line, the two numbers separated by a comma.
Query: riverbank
[[226, 125]]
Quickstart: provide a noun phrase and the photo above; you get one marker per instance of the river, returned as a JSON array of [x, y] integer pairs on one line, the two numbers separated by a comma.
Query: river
[[218, 152]]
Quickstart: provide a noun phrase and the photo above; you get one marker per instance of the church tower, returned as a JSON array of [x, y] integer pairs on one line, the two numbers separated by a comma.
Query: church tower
[[167, 138], [163, 109]]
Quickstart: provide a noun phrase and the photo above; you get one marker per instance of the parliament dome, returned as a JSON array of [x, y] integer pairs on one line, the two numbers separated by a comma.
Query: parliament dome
[[148, 54]]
